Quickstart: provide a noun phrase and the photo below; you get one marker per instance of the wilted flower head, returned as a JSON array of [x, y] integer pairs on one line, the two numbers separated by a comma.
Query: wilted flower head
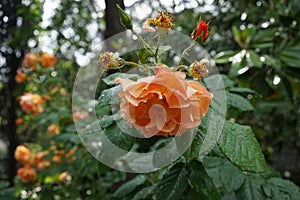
[[27, 173], [163, 20], [108, 60], [47, 60], [32, 103], [199, 69], [31, 60], [163, 104]]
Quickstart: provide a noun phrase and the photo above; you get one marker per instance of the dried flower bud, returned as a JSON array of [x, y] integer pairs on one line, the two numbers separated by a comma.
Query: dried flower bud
[[108, 61], [199, 69]]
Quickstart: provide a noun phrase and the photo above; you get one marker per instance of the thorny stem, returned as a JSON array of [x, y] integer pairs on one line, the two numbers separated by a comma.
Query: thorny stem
[[184, 52]]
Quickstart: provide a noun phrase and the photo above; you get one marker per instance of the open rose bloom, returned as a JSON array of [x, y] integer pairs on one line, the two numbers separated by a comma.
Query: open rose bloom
[[27, 173], [32, 103], [164, 104]]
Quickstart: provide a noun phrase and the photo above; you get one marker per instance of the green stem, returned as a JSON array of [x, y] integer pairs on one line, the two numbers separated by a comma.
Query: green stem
[[157, 48], [184, 52], [123, 62], [143, 41]]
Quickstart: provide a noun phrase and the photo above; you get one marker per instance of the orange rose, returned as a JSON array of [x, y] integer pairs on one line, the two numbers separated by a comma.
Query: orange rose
[[31, 60], [56, 158], [46, 98], [47, 60], [27, 173], [53, 129], [20, 77], [63, 177], [163, 104], [22, 154], [41, 163], [19, 121], [32, 103], [79, 115]]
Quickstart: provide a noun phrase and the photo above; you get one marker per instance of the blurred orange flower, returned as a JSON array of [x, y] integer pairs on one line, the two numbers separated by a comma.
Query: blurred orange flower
[[27, 173], [64, 176], [78, 115], [19, 121], [53, 129], [20, 77], [163, 104], [46, 98], [31, 60], [23, 154], [32, 103], [41, 163], [47, 60], [56, 158]]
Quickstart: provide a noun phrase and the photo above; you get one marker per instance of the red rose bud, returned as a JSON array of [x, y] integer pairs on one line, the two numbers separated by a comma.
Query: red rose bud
[[201, 30]]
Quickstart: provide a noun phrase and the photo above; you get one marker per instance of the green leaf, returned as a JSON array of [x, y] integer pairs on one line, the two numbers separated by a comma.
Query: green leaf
[[224, 56], [108, 99], [254, 59], [202, 182], [290, 56], [278, 188], [110, 80], [173, 183], [118, 137], [100, 124], [67, 137], [224, 175], [251, 189], [144, 193], [218, 82], [143, 55], [207, 135], [3, 184], [130, 186], [274, 62], [236, 34], [238, 102], [242, 90], [239, 145]]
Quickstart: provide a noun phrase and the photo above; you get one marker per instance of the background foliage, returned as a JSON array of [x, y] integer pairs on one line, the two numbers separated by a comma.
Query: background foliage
[[255, 44]]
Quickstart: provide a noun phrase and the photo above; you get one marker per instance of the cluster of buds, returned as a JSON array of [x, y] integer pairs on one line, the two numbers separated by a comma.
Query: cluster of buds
[[32, 60], [59, 154], [30, 160], [34, 162]]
